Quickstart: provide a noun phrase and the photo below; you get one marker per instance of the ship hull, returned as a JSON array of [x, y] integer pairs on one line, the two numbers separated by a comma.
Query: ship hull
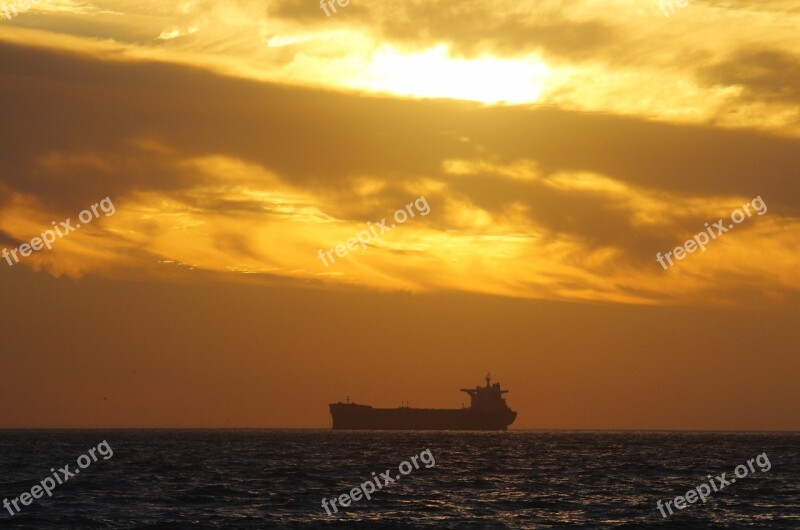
[[363, 417]]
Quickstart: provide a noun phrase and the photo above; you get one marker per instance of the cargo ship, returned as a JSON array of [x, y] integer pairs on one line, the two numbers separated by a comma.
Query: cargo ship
[[488, 411]]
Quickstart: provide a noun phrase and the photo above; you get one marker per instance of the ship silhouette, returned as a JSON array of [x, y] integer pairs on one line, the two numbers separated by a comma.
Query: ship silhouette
[[488, 411]]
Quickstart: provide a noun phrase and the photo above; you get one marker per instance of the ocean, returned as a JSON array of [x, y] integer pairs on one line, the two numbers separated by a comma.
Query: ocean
[[175, 479]]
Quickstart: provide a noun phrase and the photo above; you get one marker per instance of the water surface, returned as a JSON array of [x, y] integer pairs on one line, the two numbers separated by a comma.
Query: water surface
[[246, 479]]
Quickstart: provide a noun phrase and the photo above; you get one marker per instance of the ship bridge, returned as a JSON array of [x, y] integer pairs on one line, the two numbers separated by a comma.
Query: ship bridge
[[489, 397]]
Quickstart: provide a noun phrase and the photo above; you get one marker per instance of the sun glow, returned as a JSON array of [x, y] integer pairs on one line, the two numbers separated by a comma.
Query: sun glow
[[434, 74]]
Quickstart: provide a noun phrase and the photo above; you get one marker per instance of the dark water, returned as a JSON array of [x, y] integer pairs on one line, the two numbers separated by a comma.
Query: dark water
[[277, 479]]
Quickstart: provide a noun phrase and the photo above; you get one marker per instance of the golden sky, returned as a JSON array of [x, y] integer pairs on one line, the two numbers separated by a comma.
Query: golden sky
[[560, 146]]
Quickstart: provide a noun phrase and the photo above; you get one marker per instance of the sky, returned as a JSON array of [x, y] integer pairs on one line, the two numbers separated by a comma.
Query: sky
[[241, 156]]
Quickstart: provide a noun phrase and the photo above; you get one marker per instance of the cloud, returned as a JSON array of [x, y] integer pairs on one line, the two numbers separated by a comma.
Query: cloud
[[238, 176], [765, 75]]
